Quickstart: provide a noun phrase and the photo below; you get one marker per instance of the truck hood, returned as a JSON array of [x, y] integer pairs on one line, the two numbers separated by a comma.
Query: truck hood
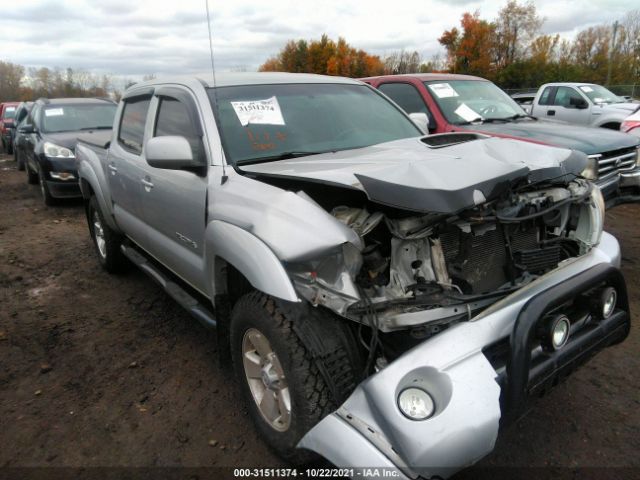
[[589, 140], [625, 106], [412, 175]]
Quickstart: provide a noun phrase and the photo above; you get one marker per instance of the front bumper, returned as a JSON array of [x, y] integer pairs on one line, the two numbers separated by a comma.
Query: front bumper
[[64, 189], [472, 397], [623, 188]]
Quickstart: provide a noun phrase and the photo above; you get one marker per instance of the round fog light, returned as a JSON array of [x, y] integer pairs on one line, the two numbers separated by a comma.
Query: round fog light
[[416, 404], [560, 328], [608, 299]]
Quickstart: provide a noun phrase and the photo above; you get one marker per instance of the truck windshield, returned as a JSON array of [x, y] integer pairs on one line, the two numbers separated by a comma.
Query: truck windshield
[[271, 122], [466, 101], [74, 117], [599, 94]]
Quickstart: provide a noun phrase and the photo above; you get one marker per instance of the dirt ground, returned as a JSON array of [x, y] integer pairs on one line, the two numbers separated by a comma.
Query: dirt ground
[[104, 371]]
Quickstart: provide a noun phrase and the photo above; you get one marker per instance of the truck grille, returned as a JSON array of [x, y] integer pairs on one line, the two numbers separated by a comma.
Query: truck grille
[[610, 163]]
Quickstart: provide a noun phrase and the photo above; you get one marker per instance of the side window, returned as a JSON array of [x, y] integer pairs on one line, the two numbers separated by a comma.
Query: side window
[[173, 119], [545, 98], [564, 96], [131, 131], [406, 96]]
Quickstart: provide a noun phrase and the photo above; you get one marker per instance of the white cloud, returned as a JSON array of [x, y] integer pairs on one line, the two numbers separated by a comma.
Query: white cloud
[[134, 38]]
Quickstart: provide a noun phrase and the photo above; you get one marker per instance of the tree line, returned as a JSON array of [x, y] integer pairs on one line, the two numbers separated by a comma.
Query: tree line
[[18, 83], [509, 50]]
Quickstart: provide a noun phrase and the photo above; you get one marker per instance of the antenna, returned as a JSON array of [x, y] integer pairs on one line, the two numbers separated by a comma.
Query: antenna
[[215, 91]]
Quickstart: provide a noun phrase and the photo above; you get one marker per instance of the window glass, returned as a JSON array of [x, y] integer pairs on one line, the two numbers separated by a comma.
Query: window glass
[[466, 101], [76, 117], [545, 97], [599, 94], [564, 96], [134, 117], [9, 112], [173, 119], [264, 122], [405, 95]]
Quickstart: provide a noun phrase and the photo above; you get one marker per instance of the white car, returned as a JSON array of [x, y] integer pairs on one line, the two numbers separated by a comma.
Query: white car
[[631, 124]]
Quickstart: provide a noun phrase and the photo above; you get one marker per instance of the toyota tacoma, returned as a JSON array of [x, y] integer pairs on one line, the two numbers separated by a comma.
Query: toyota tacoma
[[386, 298]]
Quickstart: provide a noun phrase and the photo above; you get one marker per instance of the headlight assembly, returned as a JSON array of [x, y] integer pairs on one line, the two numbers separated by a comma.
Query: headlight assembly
[[591, 170], [52, 150]]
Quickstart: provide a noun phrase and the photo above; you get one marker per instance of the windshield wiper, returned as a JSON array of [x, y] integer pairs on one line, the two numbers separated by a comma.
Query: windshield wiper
[[480, 120], [97, 128], [281, 156], [517, 116]]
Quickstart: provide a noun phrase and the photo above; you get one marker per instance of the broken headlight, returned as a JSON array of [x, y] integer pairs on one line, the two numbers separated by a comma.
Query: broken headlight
[[591, 170]]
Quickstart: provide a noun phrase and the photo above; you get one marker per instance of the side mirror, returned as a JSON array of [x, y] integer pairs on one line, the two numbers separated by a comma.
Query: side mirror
[[421, 120], [28, 128], [171, 153], [579, 103]]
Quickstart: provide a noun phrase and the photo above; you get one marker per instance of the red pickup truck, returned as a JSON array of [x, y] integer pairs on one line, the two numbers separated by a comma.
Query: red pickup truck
[[455, 103]]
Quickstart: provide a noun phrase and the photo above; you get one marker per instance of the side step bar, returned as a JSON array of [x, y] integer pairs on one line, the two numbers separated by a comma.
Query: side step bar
[[175, 291]]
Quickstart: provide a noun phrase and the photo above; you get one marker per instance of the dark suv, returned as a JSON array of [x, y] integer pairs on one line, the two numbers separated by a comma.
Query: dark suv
[[50, 133]]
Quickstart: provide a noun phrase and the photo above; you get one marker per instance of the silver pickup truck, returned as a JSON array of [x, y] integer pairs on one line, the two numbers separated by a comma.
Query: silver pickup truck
[[388, 299], [581, 104]]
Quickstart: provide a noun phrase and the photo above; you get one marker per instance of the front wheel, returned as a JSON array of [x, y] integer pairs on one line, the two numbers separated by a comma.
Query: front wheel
[[106, 241], [32, 177], [19, 160], [47, 198], [281, 381]]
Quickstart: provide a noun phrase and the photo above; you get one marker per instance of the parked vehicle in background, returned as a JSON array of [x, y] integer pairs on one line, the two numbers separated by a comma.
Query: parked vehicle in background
[[582, 104], [50, 134], [462, 103], [7, 124], [525, 100], [631, 124], [22, 112], [369, 283]]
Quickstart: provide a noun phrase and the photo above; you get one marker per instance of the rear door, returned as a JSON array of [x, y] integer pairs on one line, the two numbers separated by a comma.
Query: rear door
[[125, 166], [175, 201]]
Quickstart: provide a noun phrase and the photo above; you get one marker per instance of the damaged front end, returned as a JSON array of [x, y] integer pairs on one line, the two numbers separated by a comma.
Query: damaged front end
[[423, 273]]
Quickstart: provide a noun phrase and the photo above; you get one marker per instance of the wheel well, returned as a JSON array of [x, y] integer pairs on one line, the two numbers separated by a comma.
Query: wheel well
[[87, 189], [611, 125]]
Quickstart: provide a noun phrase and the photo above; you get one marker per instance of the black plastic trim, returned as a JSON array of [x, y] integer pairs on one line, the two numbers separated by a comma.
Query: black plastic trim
[[518, 365]]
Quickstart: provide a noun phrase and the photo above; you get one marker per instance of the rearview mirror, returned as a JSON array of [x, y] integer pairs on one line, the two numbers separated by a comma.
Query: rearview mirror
[[421, 120], [28, 128], [579, 103], [171, 153]]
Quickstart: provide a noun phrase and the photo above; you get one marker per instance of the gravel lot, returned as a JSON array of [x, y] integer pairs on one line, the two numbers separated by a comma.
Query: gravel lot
[[97, 370]]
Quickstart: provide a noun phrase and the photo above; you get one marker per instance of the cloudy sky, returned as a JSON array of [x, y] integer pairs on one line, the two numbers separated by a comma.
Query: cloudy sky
[[137, 37]]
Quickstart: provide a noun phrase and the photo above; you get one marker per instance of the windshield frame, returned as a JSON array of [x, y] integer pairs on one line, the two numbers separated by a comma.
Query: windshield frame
[[235, 163], [509, 101], [73, 105]]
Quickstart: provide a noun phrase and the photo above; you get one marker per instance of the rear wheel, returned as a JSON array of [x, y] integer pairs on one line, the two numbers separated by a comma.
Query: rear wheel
[[19, 160], [106, 241], [281, 381]]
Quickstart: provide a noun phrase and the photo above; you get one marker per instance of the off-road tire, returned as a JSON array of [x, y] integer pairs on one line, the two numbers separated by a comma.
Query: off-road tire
[[312, 399], [113, 260]]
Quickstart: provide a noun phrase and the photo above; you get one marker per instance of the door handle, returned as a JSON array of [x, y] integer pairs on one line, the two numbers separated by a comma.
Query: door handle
[[113, 168], [551, 113], [147, 184]]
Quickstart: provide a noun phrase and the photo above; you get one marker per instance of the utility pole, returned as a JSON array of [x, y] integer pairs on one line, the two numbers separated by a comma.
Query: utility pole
[[611, 50]]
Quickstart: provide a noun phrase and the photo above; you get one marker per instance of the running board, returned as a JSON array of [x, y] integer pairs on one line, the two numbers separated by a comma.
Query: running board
[[175, 291]]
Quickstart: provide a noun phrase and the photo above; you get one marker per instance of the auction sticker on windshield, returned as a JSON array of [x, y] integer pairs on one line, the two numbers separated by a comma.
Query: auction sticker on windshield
[[54, 112], [586, 88], [443, 90], [467, 113], [259, 112]]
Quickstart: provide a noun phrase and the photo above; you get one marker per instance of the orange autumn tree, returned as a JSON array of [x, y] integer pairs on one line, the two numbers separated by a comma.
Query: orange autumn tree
[[325, 57], [471, 49]]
